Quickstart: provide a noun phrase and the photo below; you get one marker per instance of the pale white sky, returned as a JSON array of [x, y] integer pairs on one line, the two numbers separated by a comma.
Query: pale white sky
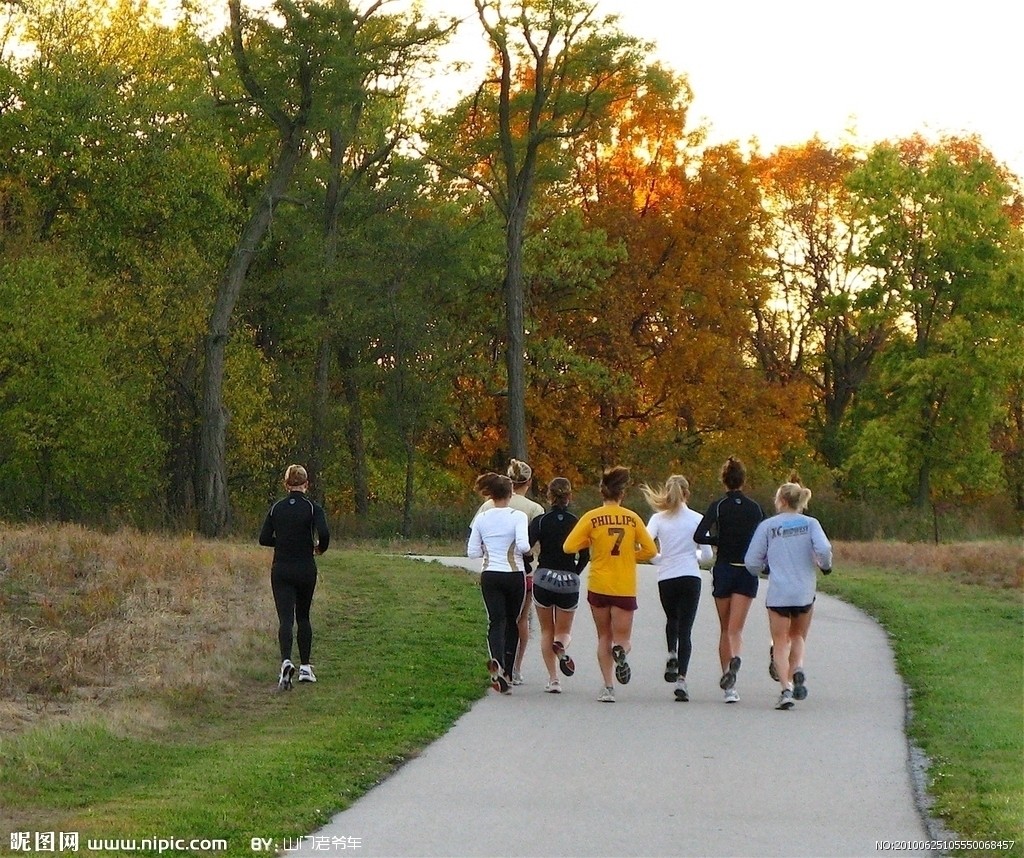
[[783, 70]]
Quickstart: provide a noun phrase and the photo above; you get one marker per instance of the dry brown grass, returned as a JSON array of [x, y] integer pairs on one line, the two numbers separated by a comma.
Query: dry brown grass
[[88, 620], [998, 564]]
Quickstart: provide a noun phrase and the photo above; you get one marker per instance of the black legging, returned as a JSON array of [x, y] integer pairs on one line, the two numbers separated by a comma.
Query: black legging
[[504, 594], [679, 598], [293, 588]]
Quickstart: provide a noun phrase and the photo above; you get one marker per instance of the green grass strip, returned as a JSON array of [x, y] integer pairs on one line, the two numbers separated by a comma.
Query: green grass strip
[[398, 652], [960, 649]]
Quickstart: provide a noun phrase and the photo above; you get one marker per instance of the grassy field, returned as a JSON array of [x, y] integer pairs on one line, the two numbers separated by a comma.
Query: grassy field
[[136, 692]]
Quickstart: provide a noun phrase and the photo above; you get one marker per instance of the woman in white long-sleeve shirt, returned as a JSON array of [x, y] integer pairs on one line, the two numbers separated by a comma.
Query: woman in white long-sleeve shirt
[[794, 547], [672, 527], [500, 536]]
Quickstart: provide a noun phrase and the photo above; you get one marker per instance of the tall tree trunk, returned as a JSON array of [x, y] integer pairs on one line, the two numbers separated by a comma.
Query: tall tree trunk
[[410, 456], [354, 430], [214, 511], [515, 325], [321, 400]]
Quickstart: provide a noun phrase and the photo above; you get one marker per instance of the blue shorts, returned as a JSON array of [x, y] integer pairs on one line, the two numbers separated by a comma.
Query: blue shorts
[[727, 579]]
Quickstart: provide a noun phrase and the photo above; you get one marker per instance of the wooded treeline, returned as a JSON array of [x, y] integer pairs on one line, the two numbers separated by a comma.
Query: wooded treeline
[[228, 247]]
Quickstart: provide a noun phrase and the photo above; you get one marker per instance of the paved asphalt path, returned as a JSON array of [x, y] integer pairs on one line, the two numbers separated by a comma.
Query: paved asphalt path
[[535, 774]]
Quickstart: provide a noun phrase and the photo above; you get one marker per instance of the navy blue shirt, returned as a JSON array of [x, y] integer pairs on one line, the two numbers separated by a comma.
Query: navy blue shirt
[[550, 530], [729, 524]]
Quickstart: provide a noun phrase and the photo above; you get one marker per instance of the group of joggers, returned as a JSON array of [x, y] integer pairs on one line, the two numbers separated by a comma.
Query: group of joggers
[[532, 555]]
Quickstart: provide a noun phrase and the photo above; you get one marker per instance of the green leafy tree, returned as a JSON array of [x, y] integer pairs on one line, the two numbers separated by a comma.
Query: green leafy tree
[[939, 238], [557, 69]]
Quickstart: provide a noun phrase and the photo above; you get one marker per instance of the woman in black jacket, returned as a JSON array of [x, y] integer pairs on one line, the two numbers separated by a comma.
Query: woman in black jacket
[[296, 528]]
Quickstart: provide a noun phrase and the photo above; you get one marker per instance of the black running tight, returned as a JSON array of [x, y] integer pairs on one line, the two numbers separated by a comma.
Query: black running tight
[[679, 598], [504, 594], [293, 588]]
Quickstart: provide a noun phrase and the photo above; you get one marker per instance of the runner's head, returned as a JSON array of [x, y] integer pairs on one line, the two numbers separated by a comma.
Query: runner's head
[[559, 491], [734, 475], [671, 496], [614, 483], [792, 496], [296, 478], [494, 486], [521, 475]]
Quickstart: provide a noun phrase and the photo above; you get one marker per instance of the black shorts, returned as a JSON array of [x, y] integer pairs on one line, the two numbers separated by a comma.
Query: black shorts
[[727, 579], [545, 598], [790, 610], [556, 588]]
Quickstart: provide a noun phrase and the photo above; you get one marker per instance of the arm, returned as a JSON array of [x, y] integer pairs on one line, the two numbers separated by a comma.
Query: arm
[[582, 559], [652, 529], [707, 531], [822, 547], [267, 531], [523, 535], [475, 545], [578, 538], [647, 549], [322, 531], [757, 551]]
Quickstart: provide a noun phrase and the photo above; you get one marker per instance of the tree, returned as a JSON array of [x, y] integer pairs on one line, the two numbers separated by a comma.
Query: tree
[[939, 239], [557, 69], [822, 325]]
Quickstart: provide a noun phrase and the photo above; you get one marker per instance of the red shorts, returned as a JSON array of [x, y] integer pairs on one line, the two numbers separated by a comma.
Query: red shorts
[[601, 600]]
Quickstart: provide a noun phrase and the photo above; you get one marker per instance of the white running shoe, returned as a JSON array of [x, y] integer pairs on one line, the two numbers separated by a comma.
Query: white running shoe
[[553, 687], [732, 695], [607, 695], [517, 678], [785, 700], [284, 678], [306, 673]]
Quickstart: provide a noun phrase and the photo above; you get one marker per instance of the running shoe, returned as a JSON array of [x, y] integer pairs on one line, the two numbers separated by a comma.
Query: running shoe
[[672, 669], [799, 684], [772, 672], [565, 662], [499, 682], [622, 671], [306, 673], [731, 695], [517, 678], [553, 687], [607, 695], [284, 678], [728, 679], [785, 700], [682, 695]]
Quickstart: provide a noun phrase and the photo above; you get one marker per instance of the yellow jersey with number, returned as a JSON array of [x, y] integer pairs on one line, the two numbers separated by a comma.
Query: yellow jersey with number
[[618, 540]]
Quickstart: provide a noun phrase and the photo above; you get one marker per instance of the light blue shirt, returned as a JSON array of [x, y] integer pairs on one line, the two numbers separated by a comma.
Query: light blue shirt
[[794, 547]]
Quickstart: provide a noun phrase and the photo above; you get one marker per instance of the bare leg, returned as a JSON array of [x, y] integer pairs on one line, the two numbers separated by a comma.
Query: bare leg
[[603, 624], [546, 620], [524, 631], [723, 607], [563, 626], [781, 630], [798, 629], [739, 607], [622, 628]]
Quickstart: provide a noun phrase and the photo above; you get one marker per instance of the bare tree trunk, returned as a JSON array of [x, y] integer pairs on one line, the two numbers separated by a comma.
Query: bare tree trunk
[[410, 455], [354, 432], [321, 399], [214, 512], [515, 321]]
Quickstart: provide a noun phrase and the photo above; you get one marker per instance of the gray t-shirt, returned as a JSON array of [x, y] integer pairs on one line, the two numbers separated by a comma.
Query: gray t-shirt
[[794, 547]]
